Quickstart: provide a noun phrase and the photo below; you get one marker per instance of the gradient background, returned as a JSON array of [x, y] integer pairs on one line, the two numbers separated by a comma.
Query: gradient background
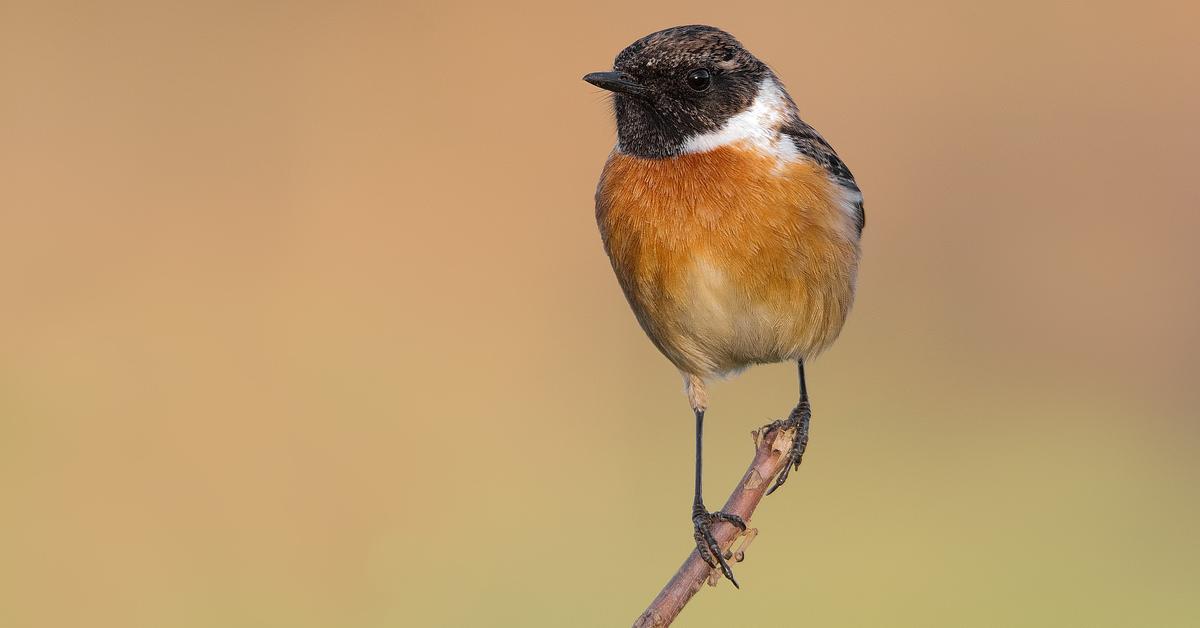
[[305, 322]]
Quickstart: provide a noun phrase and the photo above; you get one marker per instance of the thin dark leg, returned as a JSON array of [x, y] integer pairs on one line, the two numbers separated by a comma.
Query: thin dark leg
[[702, 520], [803, 384], [698, 502], [799, 420]]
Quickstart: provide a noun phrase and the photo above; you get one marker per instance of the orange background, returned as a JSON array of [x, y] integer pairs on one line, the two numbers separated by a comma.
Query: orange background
[[305, 322]]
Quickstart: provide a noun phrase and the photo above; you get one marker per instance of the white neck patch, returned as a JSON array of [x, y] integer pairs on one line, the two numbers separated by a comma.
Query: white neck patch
[[757, 126]]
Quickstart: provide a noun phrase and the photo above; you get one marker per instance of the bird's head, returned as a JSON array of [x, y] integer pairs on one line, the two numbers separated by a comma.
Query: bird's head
[[676, 84]]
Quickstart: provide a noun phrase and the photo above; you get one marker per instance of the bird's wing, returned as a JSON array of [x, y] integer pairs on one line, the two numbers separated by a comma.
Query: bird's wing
[[810, 143]]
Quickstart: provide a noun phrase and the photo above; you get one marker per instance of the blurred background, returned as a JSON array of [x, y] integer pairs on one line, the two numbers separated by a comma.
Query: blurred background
[[305, 322]]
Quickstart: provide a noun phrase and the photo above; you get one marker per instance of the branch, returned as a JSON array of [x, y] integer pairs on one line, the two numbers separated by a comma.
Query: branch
[[769, 460]]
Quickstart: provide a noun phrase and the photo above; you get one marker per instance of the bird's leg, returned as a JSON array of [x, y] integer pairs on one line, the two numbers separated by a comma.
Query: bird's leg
[[797, 420], [703, 520]]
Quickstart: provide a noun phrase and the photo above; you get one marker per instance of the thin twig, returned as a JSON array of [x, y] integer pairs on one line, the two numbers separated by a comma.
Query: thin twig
[[769, 460]]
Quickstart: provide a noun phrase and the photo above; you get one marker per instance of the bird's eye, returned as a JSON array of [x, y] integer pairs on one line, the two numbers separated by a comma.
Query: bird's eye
[[699, 79]]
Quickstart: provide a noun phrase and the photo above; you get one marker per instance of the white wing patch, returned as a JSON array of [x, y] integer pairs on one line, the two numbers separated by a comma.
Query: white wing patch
[[848, 203]]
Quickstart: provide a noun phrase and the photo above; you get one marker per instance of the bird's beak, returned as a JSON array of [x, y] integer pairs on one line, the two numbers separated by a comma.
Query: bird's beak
[[618, 82]]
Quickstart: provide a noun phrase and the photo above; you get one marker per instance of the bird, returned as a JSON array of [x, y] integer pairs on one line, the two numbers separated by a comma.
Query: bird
[[732, 226]]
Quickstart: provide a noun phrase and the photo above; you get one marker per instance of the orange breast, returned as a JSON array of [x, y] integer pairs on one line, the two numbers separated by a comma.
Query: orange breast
[[728, 257]]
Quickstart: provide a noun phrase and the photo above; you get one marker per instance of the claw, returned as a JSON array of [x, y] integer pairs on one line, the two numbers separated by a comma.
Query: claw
[[706, 543], [733, 519], [783, 476], [799, 420]]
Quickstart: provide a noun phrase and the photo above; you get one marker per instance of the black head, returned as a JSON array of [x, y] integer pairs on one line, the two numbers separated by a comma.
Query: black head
[[677, 83]]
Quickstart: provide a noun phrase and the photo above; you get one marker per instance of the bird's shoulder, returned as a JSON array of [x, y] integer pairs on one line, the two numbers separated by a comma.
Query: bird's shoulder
[[808, 142]]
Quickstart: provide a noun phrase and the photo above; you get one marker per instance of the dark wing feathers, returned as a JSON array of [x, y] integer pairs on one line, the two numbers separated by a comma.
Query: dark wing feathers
[[810, 143]]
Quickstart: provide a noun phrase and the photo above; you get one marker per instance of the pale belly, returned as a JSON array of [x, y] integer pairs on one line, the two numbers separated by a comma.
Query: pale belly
[[715, 319]]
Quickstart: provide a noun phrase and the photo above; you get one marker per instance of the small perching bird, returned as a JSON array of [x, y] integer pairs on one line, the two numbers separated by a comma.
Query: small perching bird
[[732, 225]]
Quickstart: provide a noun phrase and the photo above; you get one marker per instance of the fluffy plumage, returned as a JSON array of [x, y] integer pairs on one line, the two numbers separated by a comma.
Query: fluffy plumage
[[727, 257]]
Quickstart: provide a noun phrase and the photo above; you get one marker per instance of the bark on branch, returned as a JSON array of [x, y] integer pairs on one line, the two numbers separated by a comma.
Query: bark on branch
[[769, 459]]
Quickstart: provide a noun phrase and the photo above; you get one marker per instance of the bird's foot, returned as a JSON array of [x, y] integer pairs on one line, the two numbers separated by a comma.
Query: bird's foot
[[706, 543], [798, 420]]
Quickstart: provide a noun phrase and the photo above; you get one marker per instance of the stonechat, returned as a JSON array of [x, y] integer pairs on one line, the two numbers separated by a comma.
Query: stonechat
[[732, 226]]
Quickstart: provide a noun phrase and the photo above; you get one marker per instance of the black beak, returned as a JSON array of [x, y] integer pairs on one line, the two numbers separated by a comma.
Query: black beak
[[618, 82]]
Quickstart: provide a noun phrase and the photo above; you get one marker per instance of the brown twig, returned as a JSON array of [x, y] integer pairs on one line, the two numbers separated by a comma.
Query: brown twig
[[769, 460]]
